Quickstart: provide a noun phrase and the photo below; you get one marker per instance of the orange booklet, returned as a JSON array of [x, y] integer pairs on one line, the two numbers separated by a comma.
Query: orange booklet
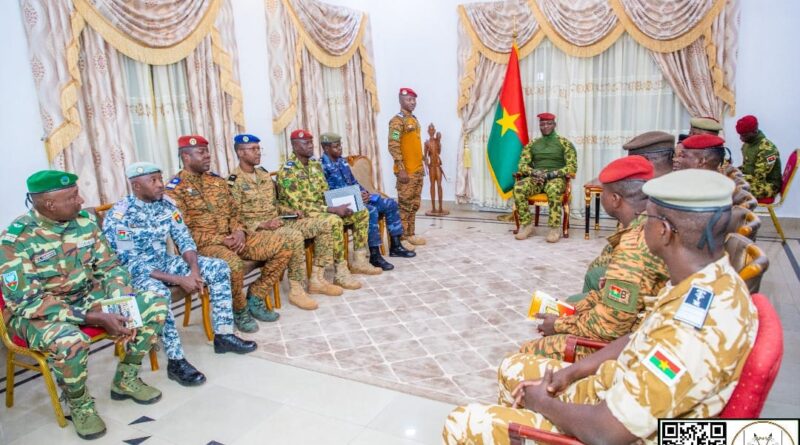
[[542, 303]]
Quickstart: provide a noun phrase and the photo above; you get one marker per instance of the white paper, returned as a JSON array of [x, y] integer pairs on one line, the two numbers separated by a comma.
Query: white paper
[[349, 200]]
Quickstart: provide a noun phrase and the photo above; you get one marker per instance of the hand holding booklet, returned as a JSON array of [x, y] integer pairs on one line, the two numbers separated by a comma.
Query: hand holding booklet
[[125, 306], [542, 303]]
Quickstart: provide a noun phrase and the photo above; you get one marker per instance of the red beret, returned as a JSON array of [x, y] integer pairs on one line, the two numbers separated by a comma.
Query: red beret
[[702, 141], [301, 134], [407, 92], [192, 140], [630, 167], [546, 116], [747, 124]]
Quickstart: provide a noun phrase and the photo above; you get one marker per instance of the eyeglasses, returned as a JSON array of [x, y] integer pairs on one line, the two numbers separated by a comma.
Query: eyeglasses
[[661, 218]]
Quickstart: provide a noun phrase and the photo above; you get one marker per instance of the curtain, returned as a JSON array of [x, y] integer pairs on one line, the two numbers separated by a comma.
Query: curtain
[[600, 102]]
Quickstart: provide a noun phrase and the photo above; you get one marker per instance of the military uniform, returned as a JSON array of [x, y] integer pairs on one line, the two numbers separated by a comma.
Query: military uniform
[[761, 166], [405, 147], [138, 232]]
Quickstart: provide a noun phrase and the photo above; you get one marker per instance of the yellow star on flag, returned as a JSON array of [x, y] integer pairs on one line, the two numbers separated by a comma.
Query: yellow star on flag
[[508, 122]]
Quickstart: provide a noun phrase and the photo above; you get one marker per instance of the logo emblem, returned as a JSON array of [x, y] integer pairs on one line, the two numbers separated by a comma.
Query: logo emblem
[[403, 92], [193, 141], [11, 280], [140, 170], [176, 215], [246, 139], [64, 180]]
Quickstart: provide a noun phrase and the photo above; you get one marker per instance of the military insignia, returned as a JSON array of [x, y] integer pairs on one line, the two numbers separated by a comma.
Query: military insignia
[[9, 238], [139, 169], [246, 138], [86, 243], [664, 365], [192, 141], [42, 257], [232, 178], [619, 294], [64, 180], [117, 215], [173, 183], [403, 92], [11, 280], [395, 135], [176, 215], [772, 159], [301, 135], [123, 235], [695, 306]]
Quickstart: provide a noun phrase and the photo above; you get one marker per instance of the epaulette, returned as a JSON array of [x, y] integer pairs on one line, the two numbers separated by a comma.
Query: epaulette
[[263, 169], [313, 159], [400, 114], [288, 165], [168, 199], [14, 230], [173, 183], [213, 174], [231, 180], [118, 211]]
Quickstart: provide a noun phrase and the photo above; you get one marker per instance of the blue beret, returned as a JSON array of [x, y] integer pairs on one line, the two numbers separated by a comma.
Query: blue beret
[[245, 139], [140, 169]]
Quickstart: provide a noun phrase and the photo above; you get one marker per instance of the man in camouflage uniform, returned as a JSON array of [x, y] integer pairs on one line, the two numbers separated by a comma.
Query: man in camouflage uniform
[[301, 187], [254, 191], [544, 166], [761, 160], [683, 361], [405, 147], [137, 228], [212, 215], [338, 174], [56, 268], [633, 275], [707, 152]]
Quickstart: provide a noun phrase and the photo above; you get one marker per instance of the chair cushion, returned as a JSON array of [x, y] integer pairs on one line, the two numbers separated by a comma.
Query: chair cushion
[[539, 198], [766, 200], [91, 331]]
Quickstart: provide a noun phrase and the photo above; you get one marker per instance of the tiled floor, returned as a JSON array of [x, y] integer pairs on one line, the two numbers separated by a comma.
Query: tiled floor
[[435, 327]]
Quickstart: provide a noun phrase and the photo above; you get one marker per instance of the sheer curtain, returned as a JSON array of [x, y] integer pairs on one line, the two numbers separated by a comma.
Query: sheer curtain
[[600, 102]]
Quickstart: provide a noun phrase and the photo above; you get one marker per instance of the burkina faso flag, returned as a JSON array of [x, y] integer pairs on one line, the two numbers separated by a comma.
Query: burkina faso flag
[[509, 131]]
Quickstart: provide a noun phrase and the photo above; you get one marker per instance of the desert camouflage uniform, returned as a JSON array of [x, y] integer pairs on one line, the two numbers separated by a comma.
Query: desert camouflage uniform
[[551, 153], [761, 166], [405, 147], [53, 274], [255, 195], [302, 188], [633, 273], [138, 232], [639, 387], [211, 214]]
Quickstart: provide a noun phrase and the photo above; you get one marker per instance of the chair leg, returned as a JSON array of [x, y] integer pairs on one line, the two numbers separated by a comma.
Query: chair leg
[[588, 200], [381, 229], [205, 304], [515, 214], [51, 390], [565, 221], [309, 260], [536, 215], [10, 379], [153, 359], [187, 310], [597, 211], [276, 295], [346, 247], [777, 224]]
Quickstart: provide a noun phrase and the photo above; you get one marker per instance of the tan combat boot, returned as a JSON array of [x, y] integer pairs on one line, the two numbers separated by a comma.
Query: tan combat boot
[[525, 231], [553, 235], [407, 245], [298, 297], [361, 264], [317, 284], [416, 240], [343, 278]]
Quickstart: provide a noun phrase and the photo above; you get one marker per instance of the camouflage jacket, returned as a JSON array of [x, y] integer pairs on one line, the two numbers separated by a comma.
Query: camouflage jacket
[[762, 162], [208, 207], [546, 151], [138, 232], [255, 195], [47, 266], [302, 187]]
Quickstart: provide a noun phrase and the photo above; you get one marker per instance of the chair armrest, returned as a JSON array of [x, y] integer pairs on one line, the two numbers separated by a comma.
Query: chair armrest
[[572, 345], [517, 432]]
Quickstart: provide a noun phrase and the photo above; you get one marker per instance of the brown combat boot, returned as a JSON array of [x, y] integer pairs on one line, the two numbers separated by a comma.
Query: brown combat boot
[[298, 297], [407, 245], [525, 231], [317, 284], [361, 264], [416, 240], [553, 235], [344, 279]]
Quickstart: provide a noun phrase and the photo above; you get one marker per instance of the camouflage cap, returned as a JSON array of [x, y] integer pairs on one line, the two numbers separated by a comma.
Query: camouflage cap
[[140, 169], [329, 138], [50, 180], [691, 190], [650, 142], [705, 123]]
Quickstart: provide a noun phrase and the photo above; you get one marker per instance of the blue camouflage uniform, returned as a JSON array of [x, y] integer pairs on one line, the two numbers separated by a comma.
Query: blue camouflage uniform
[[138, 232], [338, 175]]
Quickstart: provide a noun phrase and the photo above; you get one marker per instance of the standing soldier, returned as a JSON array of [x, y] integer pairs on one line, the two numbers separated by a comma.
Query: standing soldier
[[301, 187], [254, 192], [405, 146], [56, 267], [761, 160], [137, 228], [212, 216], [544, 166]]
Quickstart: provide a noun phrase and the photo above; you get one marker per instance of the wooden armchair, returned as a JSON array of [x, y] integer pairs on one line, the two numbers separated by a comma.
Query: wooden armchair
[[749, 226], [748, 259], [361, 166], [540, 200]]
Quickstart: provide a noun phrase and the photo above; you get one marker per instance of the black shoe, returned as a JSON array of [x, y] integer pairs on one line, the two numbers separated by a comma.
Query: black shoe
[[230, 343], [397, 249], [184, 373], [377, 260]]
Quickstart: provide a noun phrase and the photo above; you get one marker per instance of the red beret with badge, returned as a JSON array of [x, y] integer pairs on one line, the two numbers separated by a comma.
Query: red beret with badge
[[407, 92], [703, 141], [747, 124], [632, 167], [192, 140], [301, 134], [546, 116]]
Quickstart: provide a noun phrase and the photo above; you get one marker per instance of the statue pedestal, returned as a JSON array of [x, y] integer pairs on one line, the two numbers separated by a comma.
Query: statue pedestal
[[437, 213]]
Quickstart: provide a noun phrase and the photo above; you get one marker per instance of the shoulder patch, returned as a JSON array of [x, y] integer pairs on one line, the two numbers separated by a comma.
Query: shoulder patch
[[621, 295], [395, 135], [695, 306], [664, 365], [772, 159], [173, 183]]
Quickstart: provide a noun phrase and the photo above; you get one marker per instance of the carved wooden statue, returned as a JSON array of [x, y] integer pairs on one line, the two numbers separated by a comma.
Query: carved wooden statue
[[433, 163]]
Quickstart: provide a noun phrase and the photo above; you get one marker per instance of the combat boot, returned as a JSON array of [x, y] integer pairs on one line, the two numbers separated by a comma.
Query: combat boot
[[298, 297], [553, 235], [377, 260], [397, 249], [317, 284], [128, 385], [525, 231], [361, 264], [259, 310], [87, 421], [408, 246], [243, 321], [343, 278], [416, 240]]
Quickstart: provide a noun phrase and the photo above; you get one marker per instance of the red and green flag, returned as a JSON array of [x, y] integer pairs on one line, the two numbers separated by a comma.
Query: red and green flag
[[509, 131]]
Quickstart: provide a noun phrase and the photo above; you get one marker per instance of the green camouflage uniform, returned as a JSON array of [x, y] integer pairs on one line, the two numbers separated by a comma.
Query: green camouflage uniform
[[633, 273], [53, 274], [761, 166], [551, 153], [302, 188], [639, 387]]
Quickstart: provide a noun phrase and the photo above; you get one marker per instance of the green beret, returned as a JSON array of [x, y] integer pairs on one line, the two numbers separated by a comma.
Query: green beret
[[650, 142], [691, 190], [330, 138], [140, 169], [705, 123], [50, 180]]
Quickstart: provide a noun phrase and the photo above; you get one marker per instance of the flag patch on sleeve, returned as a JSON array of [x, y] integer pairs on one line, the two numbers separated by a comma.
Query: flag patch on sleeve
[[664, 365]]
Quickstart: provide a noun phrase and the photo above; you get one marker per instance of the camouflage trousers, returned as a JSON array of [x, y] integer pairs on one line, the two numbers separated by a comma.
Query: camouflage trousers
[[477, 424], [292, 240], [68, 346], [360, 222], [553, 346], [318, 228], [762, 190], [259, 246], [591, 281], [553, 188], [217, 276], [379, 205], [408, 200]]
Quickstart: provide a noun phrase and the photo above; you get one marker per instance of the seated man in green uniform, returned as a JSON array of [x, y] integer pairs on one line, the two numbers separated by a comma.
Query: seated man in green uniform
[[544, 166], [683, 361], [761, 160], [56, 268]]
